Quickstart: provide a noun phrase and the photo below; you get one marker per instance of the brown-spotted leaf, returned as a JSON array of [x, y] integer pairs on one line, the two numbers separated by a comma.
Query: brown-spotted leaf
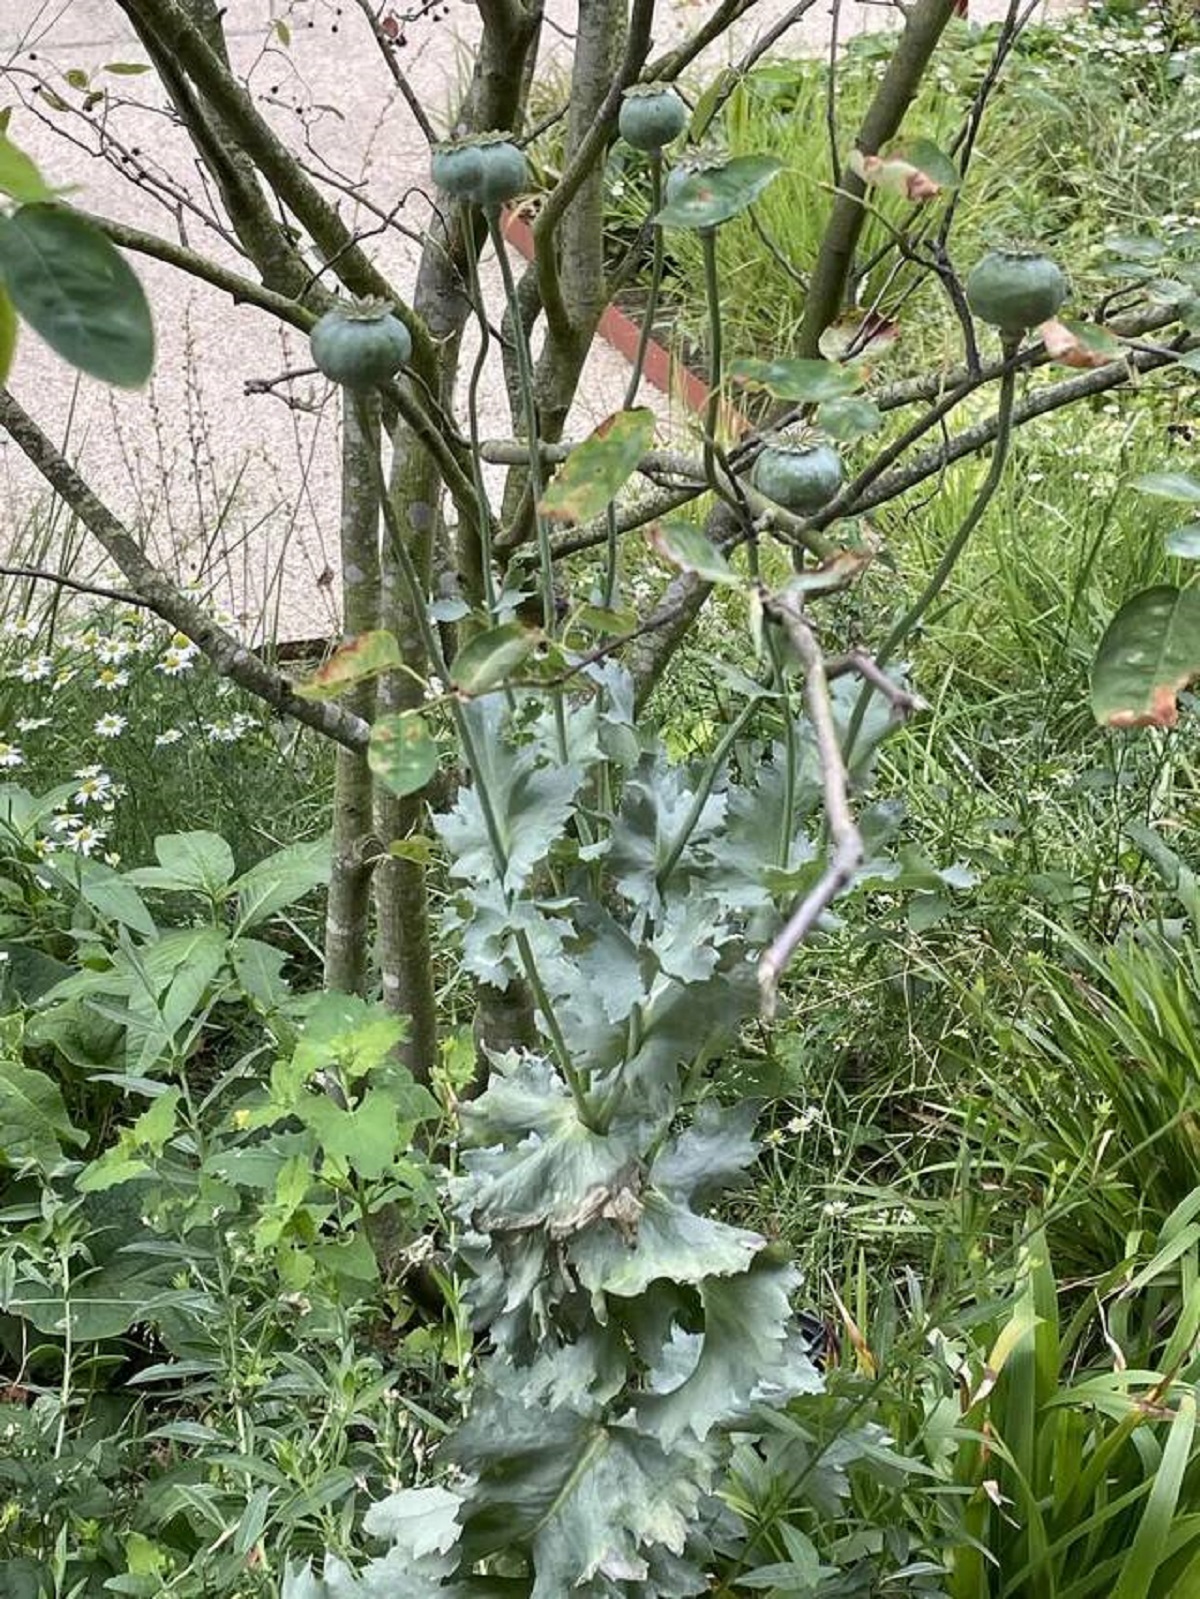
[[597, 470], [1150, 651], [859, 336], [915, 169], [402, 753], [354, 662], [1079, 344]]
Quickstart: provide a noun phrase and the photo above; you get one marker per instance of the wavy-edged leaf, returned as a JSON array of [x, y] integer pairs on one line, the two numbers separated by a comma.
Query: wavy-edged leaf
[[595, 471], [1149, 652], [402, 752], [78, 292], [356, 661], [711, 1377], [708, 198]]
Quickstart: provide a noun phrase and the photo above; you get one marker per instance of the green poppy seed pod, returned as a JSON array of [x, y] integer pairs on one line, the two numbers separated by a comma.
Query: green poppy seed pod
[[456, 168], [1015, 290], [802, 475], [504, 172], [360, 346], [652, 114]]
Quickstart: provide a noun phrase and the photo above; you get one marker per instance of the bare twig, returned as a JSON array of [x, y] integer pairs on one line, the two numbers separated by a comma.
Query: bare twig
[[229, 655], [38, 575], [835, 784], [387, 50]]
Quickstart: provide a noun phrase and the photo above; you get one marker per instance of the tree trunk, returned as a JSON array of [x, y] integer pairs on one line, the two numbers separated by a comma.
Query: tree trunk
[[347, 917]]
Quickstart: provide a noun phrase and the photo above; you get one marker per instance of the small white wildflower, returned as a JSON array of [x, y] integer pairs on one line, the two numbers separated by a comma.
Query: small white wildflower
[[110, 679], [174, 663], [36, 669], [93, 789], [10, 755], [805, 1121], [110, 725], [112, 858], [112, 651], [85, 839], [835, 1207], [43, 847], [172, 735], [31, 724], [66, 822], [65, 675], [26, 628]]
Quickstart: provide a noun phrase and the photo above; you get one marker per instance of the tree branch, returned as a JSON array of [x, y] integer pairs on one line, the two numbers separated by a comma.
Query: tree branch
[[924, 25], [228, 654]]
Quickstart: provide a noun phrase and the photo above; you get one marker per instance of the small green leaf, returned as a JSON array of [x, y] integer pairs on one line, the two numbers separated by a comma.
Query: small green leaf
[[19, 176], [417, 847], [799, 381], [8, 335], [127, 69], [77, 78], [492, 657], [595, 472], [402, 753], [691, 550], [708, 198], [1150, 651], [282, 32], [849, 419], [1170, 486], [1184, 542], [78, 292], [356, 661]]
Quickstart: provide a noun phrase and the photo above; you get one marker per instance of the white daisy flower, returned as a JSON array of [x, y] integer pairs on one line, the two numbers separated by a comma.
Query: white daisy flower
[[110, 679], [36, 669], [110, 725], [31, 724], [10, 755], [172, 735]]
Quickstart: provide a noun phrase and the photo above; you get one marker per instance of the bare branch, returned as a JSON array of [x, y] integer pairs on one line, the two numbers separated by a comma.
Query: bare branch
[[387, 50], [39, 575], [228, 654], [835, 784]]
